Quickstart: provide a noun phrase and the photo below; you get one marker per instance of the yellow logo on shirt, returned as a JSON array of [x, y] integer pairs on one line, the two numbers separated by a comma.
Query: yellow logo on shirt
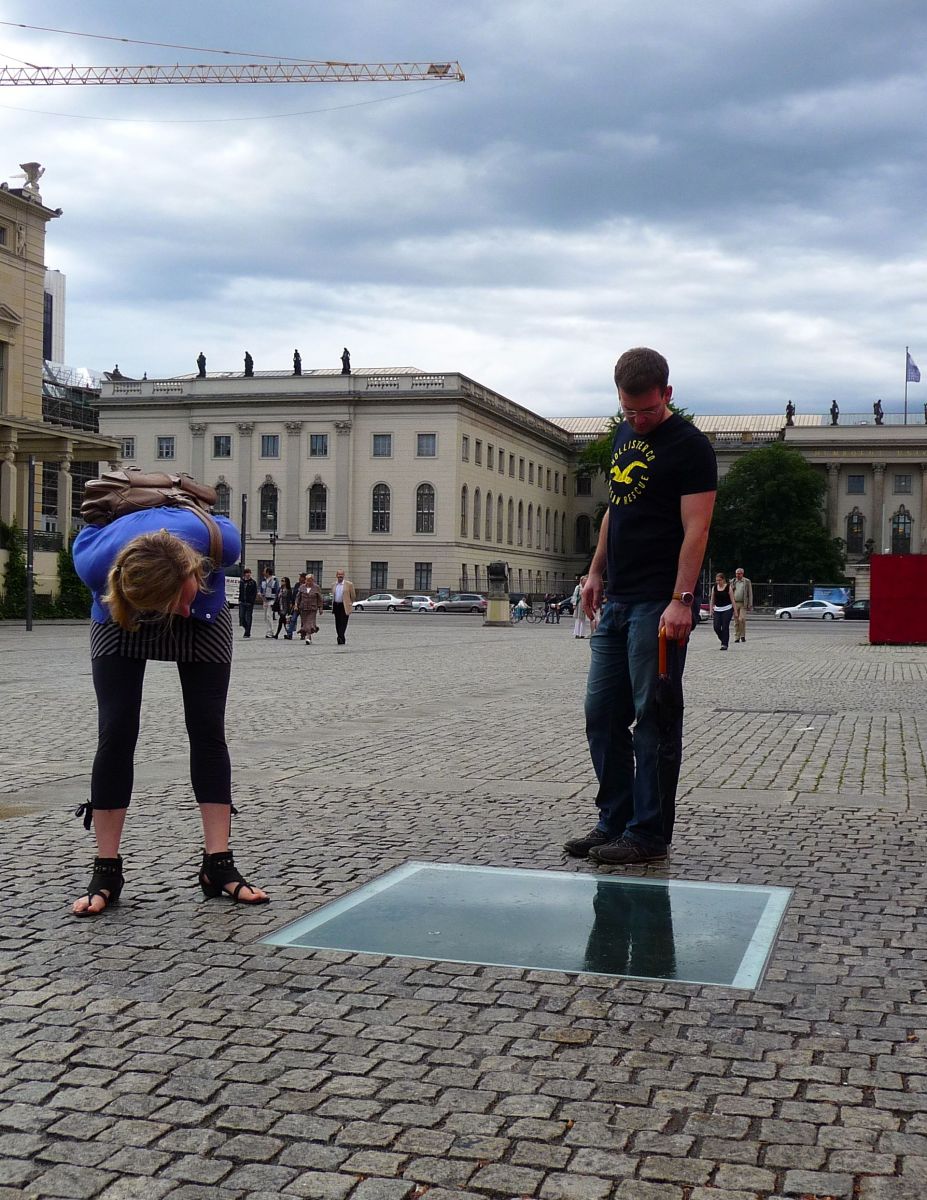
[[630, 471]]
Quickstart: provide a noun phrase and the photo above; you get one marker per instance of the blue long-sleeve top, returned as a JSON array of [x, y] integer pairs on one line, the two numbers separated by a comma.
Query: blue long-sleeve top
[[95, 548]]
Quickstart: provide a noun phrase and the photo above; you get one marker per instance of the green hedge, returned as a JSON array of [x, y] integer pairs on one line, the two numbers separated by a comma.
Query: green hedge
[[73, 599]]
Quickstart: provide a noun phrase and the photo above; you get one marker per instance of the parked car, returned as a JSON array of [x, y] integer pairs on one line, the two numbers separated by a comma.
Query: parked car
[[822, 609], [381, 602], [326, 600], [422, 604], [856, 610], [471, 602]]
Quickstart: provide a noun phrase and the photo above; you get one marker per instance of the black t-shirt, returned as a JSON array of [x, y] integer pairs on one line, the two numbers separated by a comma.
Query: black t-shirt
[[649, 475]]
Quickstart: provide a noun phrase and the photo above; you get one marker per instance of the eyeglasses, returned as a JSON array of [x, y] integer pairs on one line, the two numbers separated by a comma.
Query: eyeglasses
[[642, 412]]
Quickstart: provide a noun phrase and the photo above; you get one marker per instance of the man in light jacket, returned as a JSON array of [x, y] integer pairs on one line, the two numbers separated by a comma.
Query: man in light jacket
[[742, 593], [343, 597]]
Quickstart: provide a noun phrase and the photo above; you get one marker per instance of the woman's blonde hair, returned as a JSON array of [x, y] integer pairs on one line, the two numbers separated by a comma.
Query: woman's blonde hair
[[148, 575]]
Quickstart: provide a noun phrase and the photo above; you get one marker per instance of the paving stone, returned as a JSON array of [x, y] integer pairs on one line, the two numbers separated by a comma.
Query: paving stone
[[559, 1186], [821, 1183], [322, 1185]]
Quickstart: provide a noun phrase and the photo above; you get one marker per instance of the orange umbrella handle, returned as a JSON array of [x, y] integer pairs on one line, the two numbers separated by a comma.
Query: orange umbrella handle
[[662, 654]]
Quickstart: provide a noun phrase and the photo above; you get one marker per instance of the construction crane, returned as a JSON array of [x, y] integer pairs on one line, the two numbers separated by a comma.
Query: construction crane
[[205, 73]]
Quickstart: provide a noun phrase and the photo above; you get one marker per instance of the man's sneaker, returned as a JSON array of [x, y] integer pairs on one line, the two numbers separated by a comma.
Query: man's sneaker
[[580, 847], [624, 853]]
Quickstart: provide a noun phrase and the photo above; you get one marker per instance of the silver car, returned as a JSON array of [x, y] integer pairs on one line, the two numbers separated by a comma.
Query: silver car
[[381, 602], [822, 609], [471, 602]]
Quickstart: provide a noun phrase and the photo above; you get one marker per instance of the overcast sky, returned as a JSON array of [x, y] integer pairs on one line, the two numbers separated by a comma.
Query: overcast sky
[[740, 184]]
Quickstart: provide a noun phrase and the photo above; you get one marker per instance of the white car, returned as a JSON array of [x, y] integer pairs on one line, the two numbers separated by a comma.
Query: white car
[[822, 609], [381, 602], [420, 604]]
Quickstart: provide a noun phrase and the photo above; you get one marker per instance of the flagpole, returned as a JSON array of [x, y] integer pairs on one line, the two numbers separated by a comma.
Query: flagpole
[[906, 357]]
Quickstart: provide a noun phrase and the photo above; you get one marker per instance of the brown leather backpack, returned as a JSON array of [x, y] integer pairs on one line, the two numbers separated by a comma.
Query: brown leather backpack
[[130, 490]]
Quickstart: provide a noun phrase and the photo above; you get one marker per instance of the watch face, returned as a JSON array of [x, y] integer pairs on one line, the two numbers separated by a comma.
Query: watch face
[[687, 597]]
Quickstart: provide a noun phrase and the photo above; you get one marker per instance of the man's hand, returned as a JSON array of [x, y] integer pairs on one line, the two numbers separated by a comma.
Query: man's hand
[[593, 594], [677, 620]]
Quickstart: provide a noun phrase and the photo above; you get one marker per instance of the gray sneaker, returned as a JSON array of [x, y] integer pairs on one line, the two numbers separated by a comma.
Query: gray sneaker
[[624, 853], [580, 847]]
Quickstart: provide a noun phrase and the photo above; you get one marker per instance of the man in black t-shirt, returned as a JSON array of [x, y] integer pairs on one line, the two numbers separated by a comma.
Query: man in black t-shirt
[[662, 485]]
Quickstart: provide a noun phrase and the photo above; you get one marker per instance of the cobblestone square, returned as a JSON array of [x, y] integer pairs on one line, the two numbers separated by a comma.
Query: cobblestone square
[[163, 1051]]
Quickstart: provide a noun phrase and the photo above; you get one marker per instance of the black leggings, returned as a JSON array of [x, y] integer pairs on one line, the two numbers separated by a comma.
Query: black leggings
[[118, 683]]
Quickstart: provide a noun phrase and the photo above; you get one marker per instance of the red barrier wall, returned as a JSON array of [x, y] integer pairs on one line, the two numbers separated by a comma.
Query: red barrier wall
[[898, 603]]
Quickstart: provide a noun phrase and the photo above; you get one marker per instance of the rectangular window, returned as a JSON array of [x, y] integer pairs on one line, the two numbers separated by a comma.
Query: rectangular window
[[426, 445], [856, 485], [423, 577], [270, 445], [3, 235], [521, 469], [127, 449], [314, 568], [464, 582], [501, 461], [222, 445], [379, 576], [382, 445], [478, 453], [557, 481], [3, 374], [548, 478], [165, 447], [531, 472], [512, 466], [902, 485], [490, 461], [464, 449], [584, 485], [318, 445]]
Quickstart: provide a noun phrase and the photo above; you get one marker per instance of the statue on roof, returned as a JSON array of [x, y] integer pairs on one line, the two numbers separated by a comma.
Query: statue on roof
[[834, 412], [790, 413], [346, 361], [249, 366], [877, 412], [201, 365], [297, 363]]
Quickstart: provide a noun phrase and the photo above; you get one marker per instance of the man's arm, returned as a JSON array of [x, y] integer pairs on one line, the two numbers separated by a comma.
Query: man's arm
[[593, 592], [695, 511]]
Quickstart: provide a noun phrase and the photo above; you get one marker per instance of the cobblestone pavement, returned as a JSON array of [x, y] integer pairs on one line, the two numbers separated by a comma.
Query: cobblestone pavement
[[164, 1052]]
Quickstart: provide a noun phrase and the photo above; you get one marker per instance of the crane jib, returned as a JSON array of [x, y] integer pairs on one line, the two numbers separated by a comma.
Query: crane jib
[[206, 73]]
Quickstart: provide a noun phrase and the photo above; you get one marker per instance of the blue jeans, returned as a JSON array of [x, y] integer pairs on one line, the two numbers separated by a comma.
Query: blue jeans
[[621, 692]]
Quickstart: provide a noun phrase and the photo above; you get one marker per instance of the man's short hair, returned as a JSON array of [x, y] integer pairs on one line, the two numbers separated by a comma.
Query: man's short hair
[[641, 370]]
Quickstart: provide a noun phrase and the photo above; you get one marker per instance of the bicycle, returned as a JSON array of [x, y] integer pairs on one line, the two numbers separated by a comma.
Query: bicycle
[[528, 615]]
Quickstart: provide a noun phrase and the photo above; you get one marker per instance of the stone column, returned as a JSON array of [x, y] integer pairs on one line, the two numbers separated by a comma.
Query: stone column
[[294, 467], [245, 430], [921, 538], [833, 479], [7, 483], [198, 455], [882, 536], [65, 488], [342, 480]]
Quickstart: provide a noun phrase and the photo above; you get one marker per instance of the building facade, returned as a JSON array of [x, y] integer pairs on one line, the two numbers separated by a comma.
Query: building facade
[[410, 481]]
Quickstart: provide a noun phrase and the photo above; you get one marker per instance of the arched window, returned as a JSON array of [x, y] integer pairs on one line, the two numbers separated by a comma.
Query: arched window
[[268, 507], [537, 540], [477, 515], [856, 532], [318, 508], [500, 517], [510, 525], [521, 523], [489, 516], [901, 531], [556, 526], [547, 529], [583, 531], [424, 508], [464, 510], [223, 505], [530, 526], [379, 518]]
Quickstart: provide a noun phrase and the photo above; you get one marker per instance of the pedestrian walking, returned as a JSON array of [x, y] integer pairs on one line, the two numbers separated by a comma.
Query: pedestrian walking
[[284, 604], [293, 615], [743, 603], [310, 605], [270, 589], [580, 624], [343, 598], [721, 608], [159, 594], [247, 598]]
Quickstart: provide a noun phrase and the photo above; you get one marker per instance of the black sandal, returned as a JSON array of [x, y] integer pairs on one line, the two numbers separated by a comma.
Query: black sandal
[[218, 870], [107, 873]]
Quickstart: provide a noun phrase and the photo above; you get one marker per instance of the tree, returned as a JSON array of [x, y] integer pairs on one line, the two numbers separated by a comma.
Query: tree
[[769, 518], [74, 598], [13, 603]]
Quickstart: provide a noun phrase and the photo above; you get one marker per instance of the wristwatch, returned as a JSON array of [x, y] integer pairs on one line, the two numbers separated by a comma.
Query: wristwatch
[[685, 597]]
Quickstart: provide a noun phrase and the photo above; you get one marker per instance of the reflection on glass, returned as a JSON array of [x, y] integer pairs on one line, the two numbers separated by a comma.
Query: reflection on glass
[[553, 920]]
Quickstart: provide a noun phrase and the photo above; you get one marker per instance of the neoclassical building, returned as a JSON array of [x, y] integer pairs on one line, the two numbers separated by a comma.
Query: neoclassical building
[[410, 481]]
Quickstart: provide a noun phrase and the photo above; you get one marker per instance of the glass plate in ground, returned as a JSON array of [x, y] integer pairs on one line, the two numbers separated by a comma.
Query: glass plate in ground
[[716, 933]]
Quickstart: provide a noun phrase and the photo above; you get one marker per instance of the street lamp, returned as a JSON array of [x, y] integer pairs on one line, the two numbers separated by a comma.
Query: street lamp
[[273, 551]]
